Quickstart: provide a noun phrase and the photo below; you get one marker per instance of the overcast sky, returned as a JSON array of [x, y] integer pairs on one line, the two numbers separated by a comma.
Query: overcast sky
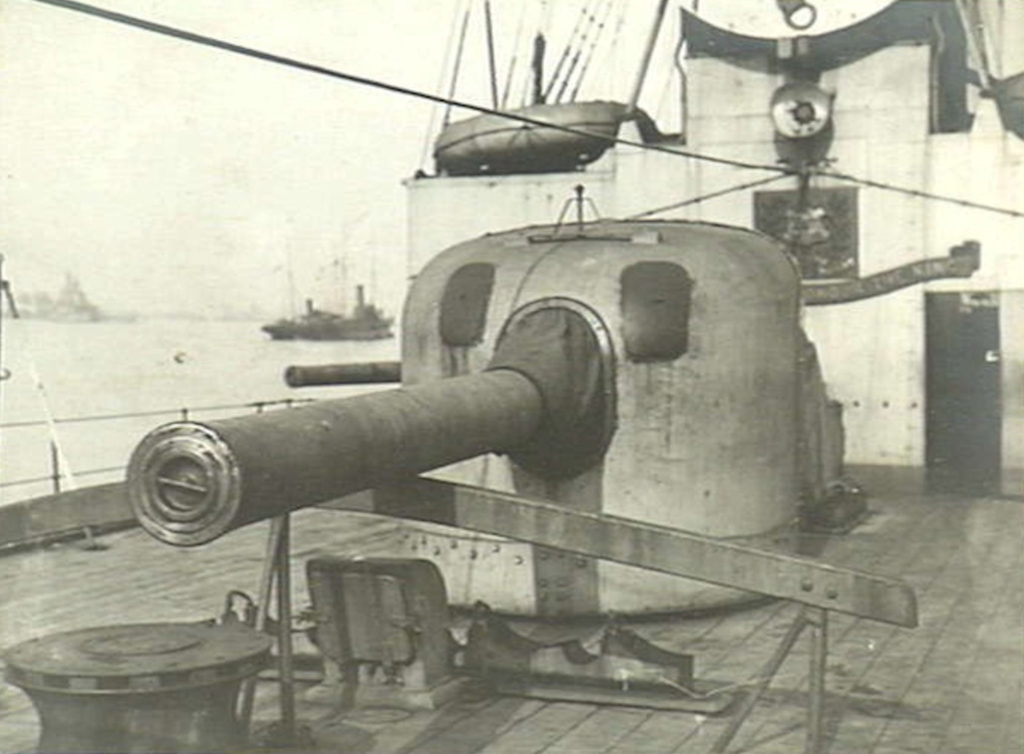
[[165, 175]]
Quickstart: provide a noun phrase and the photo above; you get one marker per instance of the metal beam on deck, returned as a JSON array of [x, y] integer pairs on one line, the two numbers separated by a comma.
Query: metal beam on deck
[[645, 545]]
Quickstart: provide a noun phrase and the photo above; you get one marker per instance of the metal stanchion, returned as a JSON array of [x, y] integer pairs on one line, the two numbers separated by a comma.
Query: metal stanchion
[[816, 618], [818, 621], [276, 569], [262, 605], [286, 669], [765, 678]]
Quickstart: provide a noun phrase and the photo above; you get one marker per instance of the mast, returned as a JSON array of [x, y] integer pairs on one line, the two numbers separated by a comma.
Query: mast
[[645, 62]]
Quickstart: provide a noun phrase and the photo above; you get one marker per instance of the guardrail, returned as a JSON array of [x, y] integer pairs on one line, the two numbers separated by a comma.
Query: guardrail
[[57, 474]]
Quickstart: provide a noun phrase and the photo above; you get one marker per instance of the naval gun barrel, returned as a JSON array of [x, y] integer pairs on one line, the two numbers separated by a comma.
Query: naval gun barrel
[[366, 373], [191, 482]]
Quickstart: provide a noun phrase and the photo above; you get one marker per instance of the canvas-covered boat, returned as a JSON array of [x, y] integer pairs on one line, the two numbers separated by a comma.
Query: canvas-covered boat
[[491, 143]]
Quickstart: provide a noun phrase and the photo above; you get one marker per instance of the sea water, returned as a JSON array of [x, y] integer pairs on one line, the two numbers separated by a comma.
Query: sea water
[[61, 370]]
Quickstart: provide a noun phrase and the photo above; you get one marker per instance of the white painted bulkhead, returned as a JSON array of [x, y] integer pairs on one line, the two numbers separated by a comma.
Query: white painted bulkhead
[[872, 352]]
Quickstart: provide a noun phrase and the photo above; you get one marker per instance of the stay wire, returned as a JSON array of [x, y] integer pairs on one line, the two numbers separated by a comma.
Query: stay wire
[[918, 193], [440, 83], [580, 45], [455, 68], [711, 195], [590, 52], [567, 50], [220, 44], [515, 56]]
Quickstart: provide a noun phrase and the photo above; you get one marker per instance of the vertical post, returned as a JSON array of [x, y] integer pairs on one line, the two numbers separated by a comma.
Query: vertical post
[[4, 293], [818, 621], [262, 606], [490, 54], [286, 668], [55, 466], [455, 76], [683, 81], [764, 679], [537, 64], [645, 62]]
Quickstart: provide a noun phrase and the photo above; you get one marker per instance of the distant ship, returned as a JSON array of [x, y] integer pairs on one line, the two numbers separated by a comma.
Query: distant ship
[[70, 305], [365, 323]]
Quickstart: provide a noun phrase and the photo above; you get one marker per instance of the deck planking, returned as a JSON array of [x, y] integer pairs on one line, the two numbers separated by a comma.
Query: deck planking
[[952, 685]]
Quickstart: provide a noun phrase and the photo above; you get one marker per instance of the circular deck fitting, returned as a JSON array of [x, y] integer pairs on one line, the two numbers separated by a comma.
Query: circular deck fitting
[[145, 688], [137, 658]]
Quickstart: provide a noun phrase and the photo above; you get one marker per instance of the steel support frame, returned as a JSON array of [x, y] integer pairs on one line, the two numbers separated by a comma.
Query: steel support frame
[[650, 546], [816, 586]]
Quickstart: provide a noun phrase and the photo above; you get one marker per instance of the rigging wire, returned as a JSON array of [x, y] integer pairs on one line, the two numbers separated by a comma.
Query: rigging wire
[[711, 195], [920, 194], [64, 472], [440, 83], [566, 50], [517, 40], [678, 58], [531, 91], [451, 102], [582, 45], [455, 67], [584, 34], [590, 52], [492, 66], [268, 57]]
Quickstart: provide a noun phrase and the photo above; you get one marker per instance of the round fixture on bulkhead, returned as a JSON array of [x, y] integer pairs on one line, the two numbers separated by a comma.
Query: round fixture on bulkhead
[[800, 109]]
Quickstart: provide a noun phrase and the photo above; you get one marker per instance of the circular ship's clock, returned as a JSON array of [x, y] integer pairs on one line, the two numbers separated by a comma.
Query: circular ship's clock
[[777, 19]]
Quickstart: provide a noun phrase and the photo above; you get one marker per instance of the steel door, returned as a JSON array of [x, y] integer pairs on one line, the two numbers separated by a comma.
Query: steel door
[[963, 424]]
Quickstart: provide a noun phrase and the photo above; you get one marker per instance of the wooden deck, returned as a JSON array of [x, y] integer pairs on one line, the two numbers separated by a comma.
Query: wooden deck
[[952, 685]]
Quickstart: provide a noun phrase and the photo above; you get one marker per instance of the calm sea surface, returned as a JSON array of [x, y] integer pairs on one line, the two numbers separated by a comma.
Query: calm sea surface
[[95, 369]]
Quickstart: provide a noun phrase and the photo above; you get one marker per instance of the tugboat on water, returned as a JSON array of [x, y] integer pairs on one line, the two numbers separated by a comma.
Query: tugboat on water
[[366, 322]]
